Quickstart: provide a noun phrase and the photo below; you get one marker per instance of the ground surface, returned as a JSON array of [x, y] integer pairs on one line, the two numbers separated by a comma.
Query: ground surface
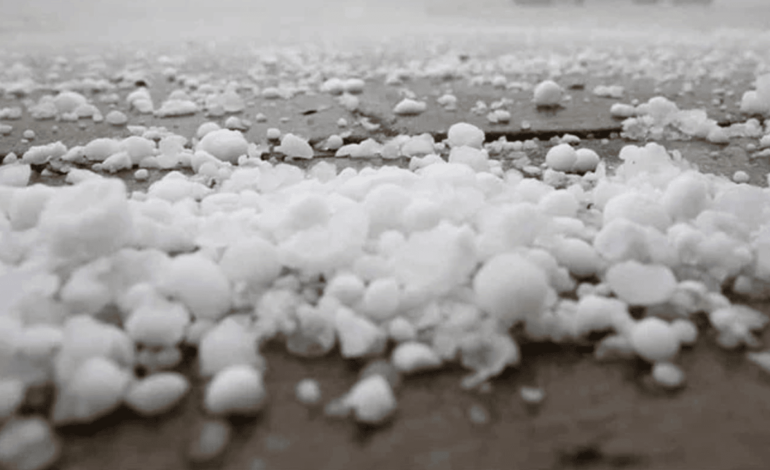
[[597, 416]]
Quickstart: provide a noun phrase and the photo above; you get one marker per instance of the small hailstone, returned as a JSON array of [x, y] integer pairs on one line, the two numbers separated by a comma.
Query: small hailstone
[[308, 392], [224, 144], [157, 393], [382, 368], [96, 389], [587, 160], [271, 93], [199, 284], [28, 134], [668, 375], [342, 122], [409, 107], [463, 134], [654, 340], [116, 118], [371, 400], [641, 284], [686, 331], [227, 344], [741, 177], [28, 444], [273, 133], [158, 325], [259, 117], [209, 441], [532, 395], [400, 330], [141, 174], [381, 299], [295, 147], [412, 357], [334, 142], [548, 94], [348, 288], [238, 389], [358, 336], [333, 86], [354, 85], [561, 157]]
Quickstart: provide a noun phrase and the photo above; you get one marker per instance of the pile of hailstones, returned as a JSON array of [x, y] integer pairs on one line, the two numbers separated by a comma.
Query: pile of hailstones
[[436, 262]]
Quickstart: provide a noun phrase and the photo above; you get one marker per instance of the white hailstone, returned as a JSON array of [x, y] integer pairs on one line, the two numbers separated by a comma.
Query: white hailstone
[[253, 260], [532, 395], [210, 439], [334, 142], [6, 129], [271, 93], [561, 157], [116, 118], [511, 288], [231, 101], [668, 375], [561, 203], [158, 324], [594, 313], [348, 288], [411, 357], [141, 174], [641, 284], [68, 101], [137, 147], [409, 107], [25, 206], [358, 336], [227, 344], [236, 390], [580, 258], [99, 149], [587, 160], [741, 177], [334, 86], [761, 359], [273, 133], [354, 85], [199, 283], [157, 393], [464, 134], [400, 330], [308, 392], [95, 389], [206, 128], [654, 340], [295, 147], [176, 108], [718, 135], [381, 299], [15, 175], [11, 397], [371, 400], [40, 154], [224, 144], [621, 110], [638, 208], [116, 162], [28, 444], [86, 221], [40, 342], [473, 157], [548, 94], [686, 331], [686, 196]]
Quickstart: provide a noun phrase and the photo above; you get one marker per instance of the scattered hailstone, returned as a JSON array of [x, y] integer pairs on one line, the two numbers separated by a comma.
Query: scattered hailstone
[[654, 340], [176, 108], [95, 390], [622, 111], [412, 357], [295, 147], [308, 392], [668, 375], [116, 118], [561, 157], [409, 107], [358, 336], [587, 160], [371, 400], [224, 144], [236, 390], [741, 177], [641, 284], [157, 393], [273, 133], [548, 94], [532, 395], [28, 444], [465, 135]]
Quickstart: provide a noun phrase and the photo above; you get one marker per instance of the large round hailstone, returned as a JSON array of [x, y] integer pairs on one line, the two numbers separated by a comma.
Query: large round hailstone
[[473, 157], [69, 101], [253, 261], [587, 160], [561, 157], [637, 208], [371, 400], [511, 288], [548, 94], [654, 340], [157, 393], [641, 284], [464, 134], [89, 220], [200, 284], [295, 147], [236, 390], [224, 144]]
